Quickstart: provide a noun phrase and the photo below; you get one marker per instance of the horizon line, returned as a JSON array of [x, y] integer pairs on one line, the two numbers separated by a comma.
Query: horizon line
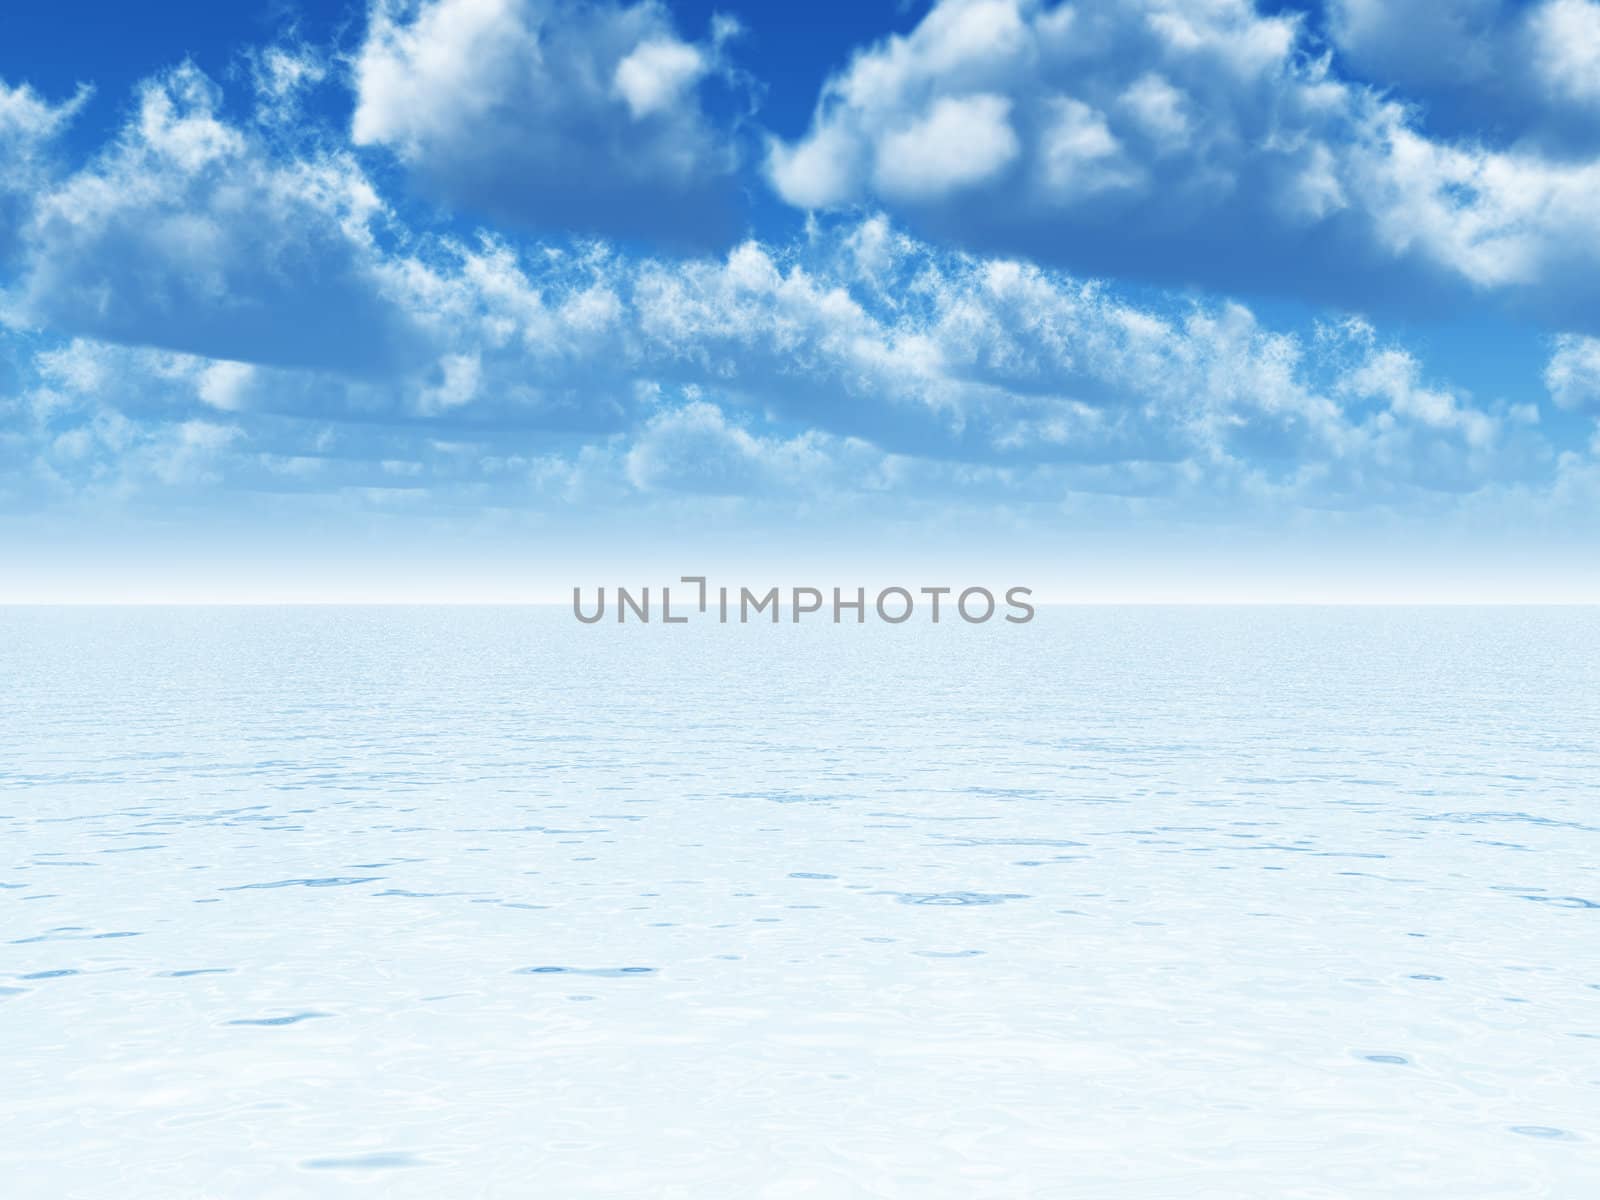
[[1117, 602]]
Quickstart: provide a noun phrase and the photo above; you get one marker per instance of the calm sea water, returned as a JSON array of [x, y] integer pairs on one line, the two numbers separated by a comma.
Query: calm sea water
[[1125, 903]]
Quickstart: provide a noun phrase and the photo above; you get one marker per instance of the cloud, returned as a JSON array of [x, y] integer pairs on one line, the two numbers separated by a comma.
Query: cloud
[[29, 125], [225, 385], [282, 75], [281, 330], [654, 76], [551, 114], [1203, 144], [95, 424], [1572, 377], [696, 448], [193, 234], [1490, 70], [1566, 45], [962, 141], [860, 362]]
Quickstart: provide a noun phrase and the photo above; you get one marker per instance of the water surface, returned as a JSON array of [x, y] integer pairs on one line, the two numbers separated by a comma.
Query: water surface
[[1124, 903]]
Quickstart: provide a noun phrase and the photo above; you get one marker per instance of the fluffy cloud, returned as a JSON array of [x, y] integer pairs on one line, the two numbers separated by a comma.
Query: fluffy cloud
[[1486, 69], [1200, 143], [962, 141], [197, 235], [1573, 374], [550, 114], [1566, 52]]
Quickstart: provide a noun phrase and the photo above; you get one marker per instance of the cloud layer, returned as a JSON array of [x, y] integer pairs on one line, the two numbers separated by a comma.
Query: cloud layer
[[195, 234], [234, 305], [1208, 144], [551, 115], [859, 362]]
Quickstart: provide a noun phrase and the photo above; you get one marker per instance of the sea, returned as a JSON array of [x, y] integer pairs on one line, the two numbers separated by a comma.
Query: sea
[[1131, 902]]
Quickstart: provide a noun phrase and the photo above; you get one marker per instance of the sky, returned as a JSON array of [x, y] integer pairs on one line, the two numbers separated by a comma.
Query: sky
[[488, 299]]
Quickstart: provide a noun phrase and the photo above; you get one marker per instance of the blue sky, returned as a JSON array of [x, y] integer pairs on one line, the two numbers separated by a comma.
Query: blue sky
[[1140, 299]]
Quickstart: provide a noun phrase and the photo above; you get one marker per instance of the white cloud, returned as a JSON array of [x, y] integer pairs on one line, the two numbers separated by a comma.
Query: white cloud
[[29, 125], [1510, 71], [1079, 153], [223, 385], [28, 121], [105, 423], [696, 448], [1495, 218], [655, 75], [282, 75], [857, 359], [193, 234], [549, 113], [1572, 375], [819, 172], [1206, 143], [187, 454], [962, 140], [1160, 109], [864, 337], [1566, 45], [459, 378], [1394, 376], [1418, 43]]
